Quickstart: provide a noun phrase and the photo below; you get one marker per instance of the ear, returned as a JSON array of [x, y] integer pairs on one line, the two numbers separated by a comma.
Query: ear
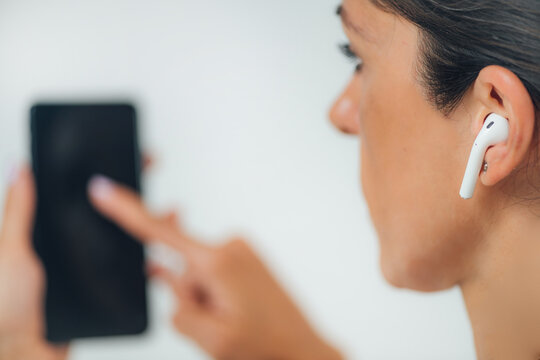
[[498, 90]]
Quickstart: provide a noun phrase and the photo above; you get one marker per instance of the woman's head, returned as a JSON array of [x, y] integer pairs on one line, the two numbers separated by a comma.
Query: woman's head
[[431, 72]]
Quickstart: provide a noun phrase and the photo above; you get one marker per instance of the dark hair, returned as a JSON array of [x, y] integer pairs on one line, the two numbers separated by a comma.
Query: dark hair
[[461, 37]]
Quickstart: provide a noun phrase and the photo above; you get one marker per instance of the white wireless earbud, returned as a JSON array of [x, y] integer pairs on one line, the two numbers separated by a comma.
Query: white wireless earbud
[[494, 131]]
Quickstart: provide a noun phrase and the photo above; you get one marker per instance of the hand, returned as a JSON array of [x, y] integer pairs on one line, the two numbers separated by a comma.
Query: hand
[[22, 279], [228, 302]]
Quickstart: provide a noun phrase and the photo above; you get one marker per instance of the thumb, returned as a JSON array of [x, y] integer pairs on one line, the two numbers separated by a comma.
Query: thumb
[[194, 317], [19, 209]]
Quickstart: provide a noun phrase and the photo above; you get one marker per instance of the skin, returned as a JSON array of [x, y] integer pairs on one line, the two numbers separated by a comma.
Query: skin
[[412, 162], [21, 315], [228, 301]]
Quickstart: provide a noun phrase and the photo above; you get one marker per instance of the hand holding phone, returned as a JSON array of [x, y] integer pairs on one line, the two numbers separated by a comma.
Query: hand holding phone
[[22, 280]]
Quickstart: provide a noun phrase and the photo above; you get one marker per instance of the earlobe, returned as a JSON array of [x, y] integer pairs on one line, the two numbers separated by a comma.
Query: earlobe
[[498, 90]]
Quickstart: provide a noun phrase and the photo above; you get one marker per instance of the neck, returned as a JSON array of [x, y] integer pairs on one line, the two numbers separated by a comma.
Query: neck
[[503, 293]]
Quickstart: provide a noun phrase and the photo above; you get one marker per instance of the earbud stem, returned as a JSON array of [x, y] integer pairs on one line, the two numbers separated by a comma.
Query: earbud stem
[[495, 130], [472, 172]]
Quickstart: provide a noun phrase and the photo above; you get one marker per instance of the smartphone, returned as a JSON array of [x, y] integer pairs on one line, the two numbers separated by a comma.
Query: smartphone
[[96, 283]]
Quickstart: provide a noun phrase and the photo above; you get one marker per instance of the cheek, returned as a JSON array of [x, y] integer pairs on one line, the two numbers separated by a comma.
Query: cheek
[[411, 181], [383, 141]]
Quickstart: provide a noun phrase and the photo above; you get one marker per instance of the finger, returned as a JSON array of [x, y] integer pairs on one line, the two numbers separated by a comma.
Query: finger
[[152, 269], [172, 218], [147, 162], [19, 209], [125, 208], [166, 256], [193, 318], [197, 323], [185, 286], [177, 283], [60, 351]]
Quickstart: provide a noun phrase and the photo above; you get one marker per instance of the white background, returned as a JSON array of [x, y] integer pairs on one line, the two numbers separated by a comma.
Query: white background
[[233, 97]]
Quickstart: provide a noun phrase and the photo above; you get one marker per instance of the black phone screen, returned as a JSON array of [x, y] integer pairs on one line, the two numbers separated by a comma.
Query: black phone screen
[[95, 271]]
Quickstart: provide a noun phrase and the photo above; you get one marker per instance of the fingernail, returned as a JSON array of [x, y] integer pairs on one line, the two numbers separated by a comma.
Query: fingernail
[[100, 187], [166, 257], [13, 174]]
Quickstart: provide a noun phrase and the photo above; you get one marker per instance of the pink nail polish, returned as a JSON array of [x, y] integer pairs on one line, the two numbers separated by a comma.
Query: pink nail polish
[[100, 187]]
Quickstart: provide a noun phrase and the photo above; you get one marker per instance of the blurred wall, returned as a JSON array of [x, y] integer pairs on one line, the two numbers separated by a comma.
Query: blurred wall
[[233, 96]]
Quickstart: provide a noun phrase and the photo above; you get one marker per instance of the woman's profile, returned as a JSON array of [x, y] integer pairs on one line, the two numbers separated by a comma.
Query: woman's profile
[[428, 74]]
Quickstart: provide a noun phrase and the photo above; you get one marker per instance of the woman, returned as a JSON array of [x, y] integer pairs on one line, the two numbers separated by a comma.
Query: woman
[[430, 73]]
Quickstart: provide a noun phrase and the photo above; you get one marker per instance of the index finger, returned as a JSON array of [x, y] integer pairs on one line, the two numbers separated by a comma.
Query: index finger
[[125, 208]]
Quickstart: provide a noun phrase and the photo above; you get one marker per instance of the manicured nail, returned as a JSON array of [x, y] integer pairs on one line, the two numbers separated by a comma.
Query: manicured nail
[[13, 174], [166, 257], [100, 187]]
